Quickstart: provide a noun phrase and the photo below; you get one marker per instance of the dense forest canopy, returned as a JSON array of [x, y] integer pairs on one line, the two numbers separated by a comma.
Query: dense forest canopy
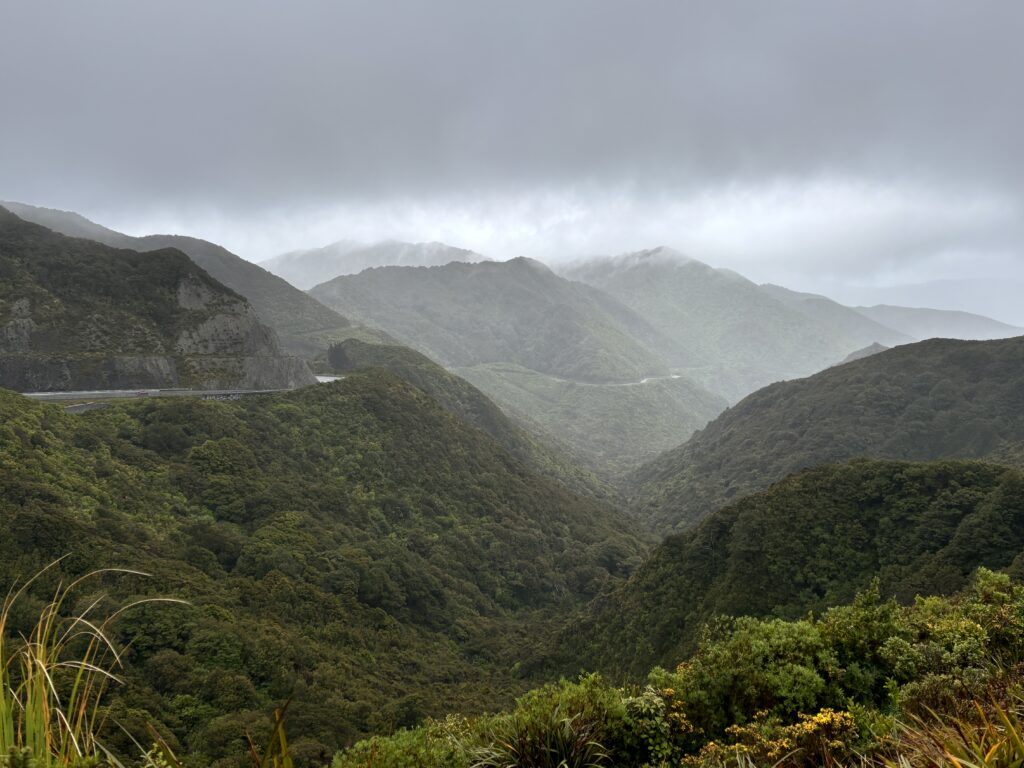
[[805, 544], [351, 546]]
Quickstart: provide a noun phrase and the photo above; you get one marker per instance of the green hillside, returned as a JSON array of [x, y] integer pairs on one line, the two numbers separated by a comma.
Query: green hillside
[[807, 543], [932, 400], [516, 312], [610, 427], [725, 332], [548, 455], [305, 326], [76, 314], [351, 546]]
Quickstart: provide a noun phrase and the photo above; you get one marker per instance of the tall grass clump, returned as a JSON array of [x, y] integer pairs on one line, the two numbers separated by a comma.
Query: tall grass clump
[[567, 725], [990, 736], [53, 677]]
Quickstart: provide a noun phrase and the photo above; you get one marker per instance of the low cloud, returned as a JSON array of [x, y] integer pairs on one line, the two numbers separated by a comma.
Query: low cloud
[[804, 142]]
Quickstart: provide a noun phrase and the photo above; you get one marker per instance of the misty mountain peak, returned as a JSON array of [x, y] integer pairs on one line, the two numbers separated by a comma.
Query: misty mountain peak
[[526, 262], [664, 253], [348, 257]]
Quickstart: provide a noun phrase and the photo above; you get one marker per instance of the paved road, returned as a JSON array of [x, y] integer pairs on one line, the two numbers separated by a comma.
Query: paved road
[[119, 394], [91, 395], [648, 380]]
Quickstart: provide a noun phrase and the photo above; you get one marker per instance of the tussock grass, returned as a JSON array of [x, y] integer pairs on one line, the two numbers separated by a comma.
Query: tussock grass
[[52, 679]]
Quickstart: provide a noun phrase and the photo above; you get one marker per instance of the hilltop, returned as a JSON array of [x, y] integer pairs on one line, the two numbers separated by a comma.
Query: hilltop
[[517, 311], [549, 456], [77, 314], [307, 268]]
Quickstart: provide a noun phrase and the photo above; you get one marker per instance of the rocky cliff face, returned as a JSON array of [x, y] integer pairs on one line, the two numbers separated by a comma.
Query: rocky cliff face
[[88, 372], [75, 314]]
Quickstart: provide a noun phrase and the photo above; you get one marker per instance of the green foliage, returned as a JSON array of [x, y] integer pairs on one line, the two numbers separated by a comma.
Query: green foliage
[[557, 725], [464, 400], [353, 547], [920, 402], [990, 737], [805, 544], [771, 692]]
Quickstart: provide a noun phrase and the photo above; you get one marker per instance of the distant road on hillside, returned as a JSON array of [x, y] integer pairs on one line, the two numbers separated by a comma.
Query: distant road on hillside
[[120, 394]]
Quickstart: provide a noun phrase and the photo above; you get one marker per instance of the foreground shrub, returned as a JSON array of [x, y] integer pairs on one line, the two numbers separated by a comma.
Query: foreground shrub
[[825, 691]]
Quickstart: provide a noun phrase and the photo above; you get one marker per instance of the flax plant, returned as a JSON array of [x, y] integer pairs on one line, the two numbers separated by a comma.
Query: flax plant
[[53, 679]]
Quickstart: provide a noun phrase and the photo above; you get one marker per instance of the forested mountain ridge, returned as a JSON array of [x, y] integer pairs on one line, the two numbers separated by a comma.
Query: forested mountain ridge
[[517, 312], [386, 560], [305, 326], [727, 333], [807, 543], [930, 400], [77, 314], [547, 456], [307, 268]]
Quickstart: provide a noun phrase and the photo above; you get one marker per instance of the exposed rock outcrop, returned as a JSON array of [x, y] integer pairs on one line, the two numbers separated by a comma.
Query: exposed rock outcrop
[[75, 314]]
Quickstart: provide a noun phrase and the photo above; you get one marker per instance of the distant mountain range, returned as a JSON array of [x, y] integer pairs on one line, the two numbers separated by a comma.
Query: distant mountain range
[[304, 325], [991, 297], [615, 358], [734, 336], [728, 333], [940, 323], [307, 268], [77, 314], [517, 311]]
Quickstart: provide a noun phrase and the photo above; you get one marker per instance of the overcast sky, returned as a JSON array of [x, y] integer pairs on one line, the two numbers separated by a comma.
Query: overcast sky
[[816, 144]]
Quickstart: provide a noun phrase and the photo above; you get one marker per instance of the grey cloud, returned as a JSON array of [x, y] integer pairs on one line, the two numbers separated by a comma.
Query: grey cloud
[[233, 109]]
